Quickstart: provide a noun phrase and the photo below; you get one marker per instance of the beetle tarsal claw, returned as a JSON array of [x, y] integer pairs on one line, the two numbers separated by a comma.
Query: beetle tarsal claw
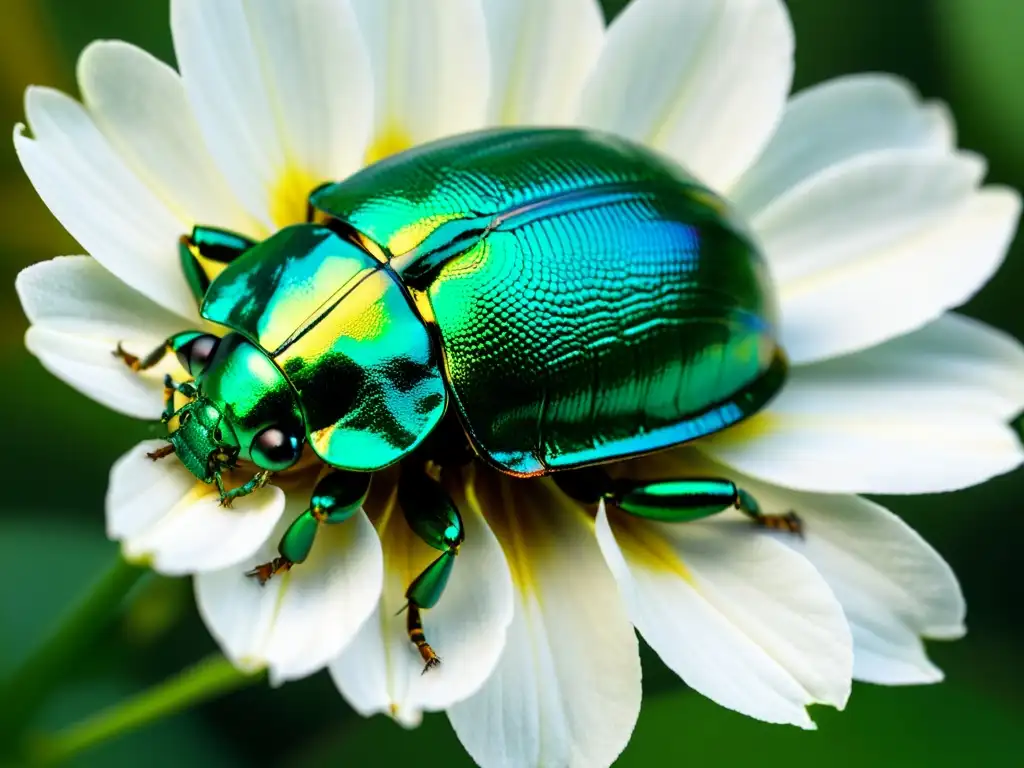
[[414, 626], [432, 662], [263, 573], [160, 453], [132, 361], [787, 523]]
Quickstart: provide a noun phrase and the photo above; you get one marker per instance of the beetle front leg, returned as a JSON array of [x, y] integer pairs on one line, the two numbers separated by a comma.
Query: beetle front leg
[[140, 364], [335, 499], [171, 345], [228, 496], [671, 501], [170, 388], [433, 517]]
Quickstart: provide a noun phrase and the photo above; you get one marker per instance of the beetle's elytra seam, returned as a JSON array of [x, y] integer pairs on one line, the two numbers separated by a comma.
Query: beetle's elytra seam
[[453, 238]]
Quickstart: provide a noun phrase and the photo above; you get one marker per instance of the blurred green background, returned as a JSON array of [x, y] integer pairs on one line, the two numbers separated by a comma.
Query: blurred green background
[[58, 447]]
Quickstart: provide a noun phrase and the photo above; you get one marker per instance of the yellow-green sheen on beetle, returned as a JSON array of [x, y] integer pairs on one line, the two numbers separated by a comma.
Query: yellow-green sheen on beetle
[[546, 300]]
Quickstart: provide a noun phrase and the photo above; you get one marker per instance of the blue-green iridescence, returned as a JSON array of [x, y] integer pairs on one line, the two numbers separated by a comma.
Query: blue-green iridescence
[[429, 511], [206, 253], [428, 587], [592, 300], [342, 329], [194, 440], [297, 542], [339, 495], [246, 386], [677, 501]]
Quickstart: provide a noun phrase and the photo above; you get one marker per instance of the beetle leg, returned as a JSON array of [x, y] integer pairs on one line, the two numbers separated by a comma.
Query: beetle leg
[[141, 364], [171, 345], [335, 499], [433, 517], [254, 484], [170, 388], [788, 523], [160, 453], [206, 253], [414, 626], [671, 501], [311, 210]]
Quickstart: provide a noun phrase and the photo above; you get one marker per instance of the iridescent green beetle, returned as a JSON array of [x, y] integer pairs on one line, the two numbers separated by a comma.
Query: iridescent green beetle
[[544, 299]]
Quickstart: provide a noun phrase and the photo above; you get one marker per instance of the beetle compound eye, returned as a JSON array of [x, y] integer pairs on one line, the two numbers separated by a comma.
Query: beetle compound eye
[[194, 355], [275, 449]]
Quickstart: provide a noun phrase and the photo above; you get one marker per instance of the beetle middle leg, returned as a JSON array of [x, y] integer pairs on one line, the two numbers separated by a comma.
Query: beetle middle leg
[[670, 500], [433, 517], [335, 499]]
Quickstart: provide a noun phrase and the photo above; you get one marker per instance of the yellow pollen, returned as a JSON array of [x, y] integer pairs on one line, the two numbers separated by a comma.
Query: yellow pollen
[[755, 427], [291, 195], [646, 545], [389, 141]]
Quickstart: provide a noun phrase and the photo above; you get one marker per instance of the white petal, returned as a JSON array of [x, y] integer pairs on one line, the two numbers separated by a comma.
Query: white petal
[[894, 588], [704, 81], [541, 55], [835, 122], [983, 364], [87, 365], [281, 93], [140, 105], [876, 247], [431, 69], [165, 517], [317, 70], [79, 313], [921, 414], [567, 689], [100, 200], [739, 617], [381, 671], [76, 294], [298, 621]]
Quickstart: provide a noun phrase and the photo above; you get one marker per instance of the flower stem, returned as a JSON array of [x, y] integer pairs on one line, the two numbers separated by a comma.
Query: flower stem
[[32, 682], [208, 679]]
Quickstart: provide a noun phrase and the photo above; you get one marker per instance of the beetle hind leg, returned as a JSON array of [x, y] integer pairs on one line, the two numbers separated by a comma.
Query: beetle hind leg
[[433, 517], [671, 500], [789, 522]]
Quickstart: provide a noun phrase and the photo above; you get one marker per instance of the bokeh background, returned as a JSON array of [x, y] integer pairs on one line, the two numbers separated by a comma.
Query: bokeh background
[[56, 447]]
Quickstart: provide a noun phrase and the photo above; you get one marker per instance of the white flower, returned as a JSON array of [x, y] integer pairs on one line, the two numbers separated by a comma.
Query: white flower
[[874, 225]]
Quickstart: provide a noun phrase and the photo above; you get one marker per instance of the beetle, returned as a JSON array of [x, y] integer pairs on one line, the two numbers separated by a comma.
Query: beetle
[[546, 300]]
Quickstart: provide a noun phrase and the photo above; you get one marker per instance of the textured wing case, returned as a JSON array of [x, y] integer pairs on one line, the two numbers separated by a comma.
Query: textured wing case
[[593, 302]]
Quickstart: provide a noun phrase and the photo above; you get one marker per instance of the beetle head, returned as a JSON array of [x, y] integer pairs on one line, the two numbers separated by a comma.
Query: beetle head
[[204, 440]]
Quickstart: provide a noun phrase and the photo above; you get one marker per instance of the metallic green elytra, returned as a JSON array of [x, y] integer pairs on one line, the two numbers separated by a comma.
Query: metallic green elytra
[[554, 298], [591, 300]]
